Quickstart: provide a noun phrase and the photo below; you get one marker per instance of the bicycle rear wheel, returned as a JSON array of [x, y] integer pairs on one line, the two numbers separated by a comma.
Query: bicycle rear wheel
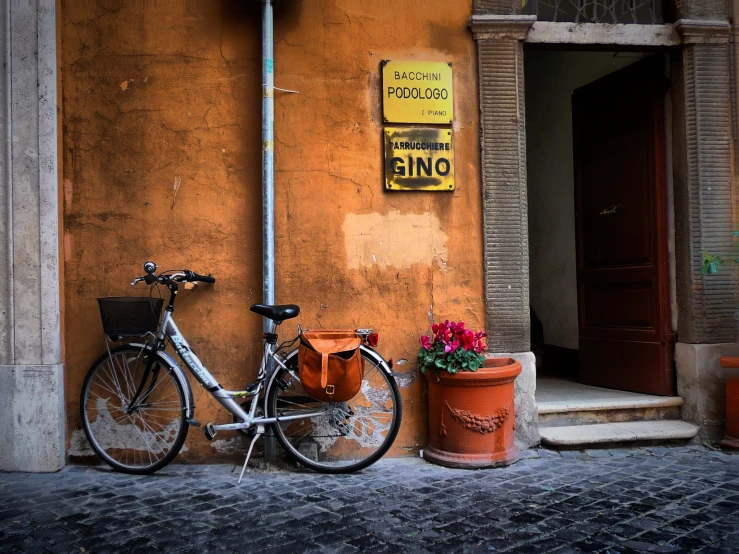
[[146, 438], [346, 436]]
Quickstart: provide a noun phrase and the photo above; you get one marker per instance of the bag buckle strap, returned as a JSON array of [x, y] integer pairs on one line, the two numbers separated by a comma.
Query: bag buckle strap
[[324, 370]]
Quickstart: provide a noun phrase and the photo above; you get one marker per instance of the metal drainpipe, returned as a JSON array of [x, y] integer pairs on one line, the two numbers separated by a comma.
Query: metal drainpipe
[[268, 158], [268, 179]]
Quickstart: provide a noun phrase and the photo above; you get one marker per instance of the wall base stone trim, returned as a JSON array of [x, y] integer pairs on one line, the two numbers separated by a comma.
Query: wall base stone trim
[[31, 429], [701, 385], [527, 414]]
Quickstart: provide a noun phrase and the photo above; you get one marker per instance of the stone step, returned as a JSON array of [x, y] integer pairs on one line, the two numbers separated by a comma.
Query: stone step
[[609, 433], [632, 407]]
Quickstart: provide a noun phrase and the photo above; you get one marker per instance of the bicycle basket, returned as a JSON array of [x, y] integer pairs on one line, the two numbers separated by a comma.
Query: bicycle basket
[[130, 316]]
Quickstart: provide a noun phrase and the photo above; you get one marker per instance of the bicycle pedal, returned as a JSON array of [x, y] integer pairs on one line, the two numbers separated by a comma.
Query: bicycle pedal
[[208, 431], [193, 422]]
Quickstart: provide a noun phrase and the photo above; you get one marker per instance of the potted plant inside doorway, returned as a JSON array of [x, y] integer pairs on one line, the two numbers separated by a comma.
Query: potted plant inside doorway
[[471, 414]]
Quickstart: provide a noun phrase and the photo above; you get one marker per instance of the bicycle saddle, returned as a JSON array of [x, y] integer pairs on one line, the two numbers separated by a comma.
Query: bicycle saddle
[[276, 313]]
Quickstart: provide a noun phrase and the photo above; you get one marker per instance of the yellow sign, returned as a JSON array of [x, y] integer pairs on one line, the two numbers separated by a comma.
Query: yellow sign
[[417, 92], [419, 158]]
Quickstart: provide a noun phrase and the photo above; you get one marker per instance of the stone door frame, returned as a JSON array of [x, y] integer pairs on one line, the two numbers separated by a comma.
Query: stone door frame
[[702, 183]]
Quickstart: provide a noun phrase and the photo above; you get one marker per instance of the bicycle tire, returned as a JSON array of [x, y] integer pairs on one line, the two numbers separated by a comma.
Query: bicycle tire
[[322, 444], [116, 443]]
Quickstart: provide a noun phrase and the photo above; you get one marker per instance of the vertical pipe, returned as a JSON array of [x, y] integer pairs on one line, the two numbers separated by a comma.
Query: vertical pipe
[[268, 181], [268, 158]]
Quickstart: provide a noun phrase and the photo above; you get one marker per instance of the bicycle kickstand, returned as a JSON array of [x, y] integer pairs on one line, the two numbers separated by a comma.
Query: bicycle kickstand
[[259, 433]]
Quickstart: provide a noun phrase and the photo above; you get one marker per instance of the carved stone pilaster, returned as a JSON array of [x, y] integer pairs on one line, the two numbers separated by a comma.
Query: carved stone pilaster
[[500, 53], [703, 182], [31, 371]]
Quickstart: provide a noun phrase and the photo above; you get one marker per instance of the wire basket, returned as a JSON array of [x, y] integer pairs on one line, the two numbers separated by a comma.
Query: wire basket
[[130, 316]]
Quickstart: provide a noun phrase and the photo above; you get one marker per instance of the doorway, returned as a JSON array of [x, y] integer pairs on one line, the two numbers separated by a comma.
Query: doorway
[[600, 285]]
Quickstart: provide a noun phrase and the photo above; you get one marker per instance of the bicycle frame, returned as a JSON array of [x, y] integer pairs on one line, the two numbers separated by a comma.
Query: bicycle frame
[[226, 398]]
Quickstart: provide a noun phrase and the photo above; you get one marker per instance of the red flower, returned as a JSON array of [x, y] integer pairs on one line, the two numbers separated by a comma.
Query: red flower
[[453, 335], [426, 342], [468, 340], [479, 345]]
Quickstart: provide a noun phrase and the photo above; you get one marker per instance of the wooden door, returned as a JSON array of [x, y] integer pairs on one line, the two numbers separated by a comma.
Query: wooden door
[[626, 341]]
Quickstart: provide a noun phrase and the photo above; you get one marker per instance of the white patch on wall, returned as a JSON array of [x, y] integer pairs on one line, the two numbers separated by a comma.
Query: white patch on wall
[[233, 445], [405, 379], [393, 239]]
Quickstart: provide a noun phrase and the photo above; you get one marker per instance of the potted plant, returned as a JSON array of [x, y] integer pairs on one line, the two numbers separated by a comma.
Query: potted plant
[[471, 415]]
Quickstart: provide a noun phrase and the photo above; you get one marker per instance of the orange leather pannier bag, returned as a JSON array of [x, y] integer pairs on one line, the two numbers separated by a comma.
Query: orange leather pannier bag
[[330, 365]]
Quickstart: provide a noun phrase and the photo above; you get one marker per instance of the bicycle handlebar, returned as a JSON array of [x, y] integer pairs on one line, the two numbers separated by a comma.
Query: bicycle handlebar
[[186, 276], [193, 277]]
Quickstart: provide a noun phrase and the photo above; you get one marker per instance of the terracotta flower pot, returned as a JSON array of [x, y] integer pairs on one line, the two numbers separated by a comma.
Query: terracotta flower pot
[[471, 417], [731, 365]]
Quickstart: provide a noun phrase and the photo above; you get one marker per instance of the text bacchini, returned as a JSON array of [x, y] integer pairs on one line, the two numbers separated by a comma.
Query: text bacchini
[[417, 92]]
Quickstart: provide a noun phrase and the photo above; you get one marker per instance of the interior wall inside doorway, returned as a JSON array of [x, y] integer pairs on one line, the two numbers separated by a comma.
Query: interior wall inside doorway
[[551, 77]]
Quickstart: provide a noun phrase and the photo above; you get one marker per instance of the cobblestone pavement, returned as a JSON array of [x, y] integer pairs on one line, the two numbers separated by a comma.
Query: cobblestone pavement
[[683, 499]]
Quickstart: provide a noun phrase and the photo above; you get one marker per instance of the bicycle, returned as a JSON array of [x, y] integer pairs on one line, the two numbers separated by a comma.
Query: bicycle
[[137, 405]]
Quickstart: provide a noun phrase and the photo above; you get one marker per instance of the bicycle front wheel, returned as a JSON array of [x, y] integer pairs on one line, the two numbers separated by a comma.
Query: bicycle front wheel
[[339, 437], [140, 438]]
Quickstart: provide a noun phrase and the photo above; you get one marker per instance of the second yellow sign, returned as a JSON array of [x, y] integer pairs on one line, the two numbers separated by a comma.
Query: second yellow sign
[[419, 158]]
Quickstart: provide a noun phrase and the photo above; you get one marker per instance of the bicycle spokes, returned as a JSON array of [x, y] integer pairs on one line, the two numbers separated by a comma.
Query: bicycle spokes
[[343, 434], [132, 431]]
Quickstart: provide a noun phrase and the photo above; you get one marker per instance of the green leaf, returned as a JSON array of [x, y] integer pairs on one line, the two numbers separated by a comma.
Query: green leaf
[[711, 263]]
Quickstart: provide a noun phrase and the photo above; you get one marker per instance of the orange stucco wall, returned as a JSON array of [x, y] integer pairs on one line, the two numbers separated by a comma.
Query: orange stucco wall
[[162, 161]]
